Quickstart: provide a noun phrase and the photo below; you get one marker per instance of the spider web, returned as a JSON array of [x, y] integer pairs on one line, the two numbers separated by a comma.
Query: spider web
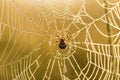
[[28, 52]]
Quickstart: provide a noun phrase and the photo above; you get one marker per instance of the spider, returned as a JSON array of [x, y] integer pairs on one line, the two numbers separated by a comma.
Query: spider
[[63, 39]]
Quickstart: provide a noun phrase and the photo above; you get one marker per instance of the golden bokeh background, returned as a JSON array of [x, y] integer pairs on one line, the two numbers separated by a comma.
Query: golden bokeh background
[[28, 38]]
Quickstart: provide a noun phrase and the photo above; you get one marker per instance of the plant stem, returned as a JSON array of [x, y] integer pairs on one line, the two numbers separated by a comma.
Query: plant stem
[[113, 61]]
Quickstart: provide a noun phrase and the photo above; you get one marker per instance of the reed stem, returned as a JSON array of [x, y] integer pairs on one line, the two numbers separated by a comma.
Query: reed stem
[[109, 28]]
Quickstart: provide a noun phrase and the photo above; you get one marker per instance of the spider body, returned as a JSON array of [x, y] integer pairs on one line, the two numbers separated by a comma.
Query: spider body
[[62, 44]]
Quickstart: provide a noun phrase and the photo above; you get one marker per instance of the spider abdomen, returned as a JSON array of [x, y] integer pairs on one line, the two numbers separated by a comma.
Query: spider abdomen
[[62, 44]]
